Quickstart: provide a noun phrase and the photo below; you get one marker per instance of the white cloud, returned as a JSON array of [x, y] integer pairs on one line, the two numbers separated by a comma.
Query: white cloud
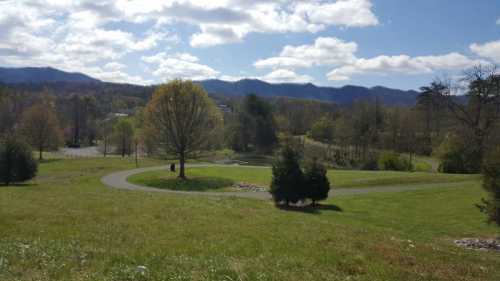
[[114, 66], [229, 21], [353, 13], [180, 65], [324, 51], [286, 76], [490, 50], [498, 21], [331, 51], [402, 64], [71, 36]]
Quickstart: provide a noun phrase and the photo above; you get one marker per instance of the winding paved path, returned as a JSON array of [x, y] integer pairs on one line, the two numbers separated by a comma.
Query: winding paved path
[[119, 180]]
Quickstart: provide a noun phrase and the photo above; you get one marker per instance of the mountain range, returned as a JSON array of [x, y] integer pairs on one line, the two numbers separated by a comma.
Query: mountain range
[[343, 95]]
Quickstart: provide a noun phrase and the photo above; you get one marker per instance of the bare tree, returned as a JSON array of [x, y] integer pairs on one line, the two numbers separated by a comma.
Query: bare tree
[[479, 113], [184, 117]]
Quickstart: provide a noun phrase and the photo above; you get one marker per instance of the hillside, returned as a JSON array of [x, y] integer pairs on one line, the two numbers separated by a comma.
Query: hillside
[[343, 95], [41, 75], [62, 82]]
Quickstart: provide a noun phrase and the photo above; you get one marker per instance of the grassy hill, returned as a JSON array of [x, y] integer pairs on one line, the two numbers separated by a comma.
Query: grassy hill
[[66, 225]]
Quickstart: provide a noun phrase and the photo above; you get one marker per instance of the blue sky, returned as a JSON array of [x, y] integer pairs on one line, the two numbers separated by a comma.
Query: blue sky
[[394, 43]]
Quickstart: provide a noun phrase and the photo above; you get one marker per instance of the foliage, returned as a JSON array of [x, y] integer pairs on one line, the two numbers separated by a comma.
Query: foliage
[[297, 116], [423, 167], [80, 114], [40, 127], [393, 161], [476, 117], [185, 118], [322, 130], [316, 182], [456, 156], [7, 113], [253, 126], [123, 133], [371, 163], [287, 185], [16, 162], [491, 183]]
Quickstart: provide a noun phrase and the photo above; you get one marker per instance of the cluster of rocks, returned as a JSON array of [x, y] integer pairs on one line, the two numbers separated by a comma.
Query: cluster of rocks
[[249, 187], [479, 244]]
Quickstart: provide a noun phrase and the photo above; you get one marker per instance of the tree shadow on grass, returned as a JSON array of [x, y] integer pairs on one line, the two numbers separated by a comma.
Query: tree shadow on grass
[[310, 209], [48, 161], [190, 184], [17, 185]]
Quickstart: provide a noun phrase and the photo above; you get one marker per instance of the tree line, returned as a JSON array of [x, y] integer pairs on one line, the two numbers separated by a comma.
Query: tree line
[[181, 120]]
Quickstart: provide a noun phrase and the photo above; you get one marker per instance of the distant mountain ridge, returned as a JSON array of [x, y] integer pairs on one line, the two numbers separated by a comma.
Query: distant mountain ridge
[[343, 95], [41, 75]]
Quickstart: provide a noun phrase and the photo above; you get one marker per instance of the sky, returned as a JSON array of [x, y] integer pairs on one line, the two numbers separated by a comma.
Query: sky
[[394, 43]]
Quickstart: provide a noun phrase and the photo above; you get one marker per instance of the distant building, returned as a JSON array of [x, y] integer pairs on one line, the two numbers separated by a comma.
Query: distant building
[[224, 108]]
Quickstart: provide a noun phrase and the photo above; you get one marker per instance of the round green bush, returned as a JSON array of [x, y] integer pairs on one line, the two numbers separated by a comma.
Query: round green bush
[[16, 162], [393, 161]]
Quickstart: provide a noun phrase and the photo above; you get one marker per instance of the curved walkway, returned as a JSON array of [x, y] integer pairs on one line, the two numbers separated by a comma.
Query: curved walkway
[[119, 180]]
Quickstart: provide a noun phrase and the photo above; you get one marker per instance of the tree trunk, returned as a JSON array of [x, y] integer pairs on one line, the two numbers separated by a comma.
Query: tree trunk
[[411, 161], [40, 155], [105, 146], [182, 160], [123, 148], [136, 162]]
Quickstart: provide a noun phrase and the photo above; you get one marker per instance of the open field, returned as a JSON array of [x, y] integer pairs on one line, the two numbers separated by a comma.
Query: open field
[[262, 176], [67, 226]]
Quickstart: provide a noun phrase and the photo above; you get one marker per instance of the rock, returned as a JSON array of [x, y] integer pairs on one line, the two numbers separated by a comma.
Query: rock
[[249, 187], [142, 269], [479, 244]]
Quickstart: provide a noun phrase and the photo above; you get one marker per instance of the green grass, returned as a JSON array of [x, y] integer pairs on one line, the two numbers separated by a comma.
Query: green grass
[[262, 176], [67, 226]]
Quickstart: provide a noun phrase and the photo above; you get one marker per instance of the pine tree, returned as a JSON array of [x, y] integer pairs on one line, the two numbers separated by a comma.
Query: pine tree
[[316, 183], [287, 184]]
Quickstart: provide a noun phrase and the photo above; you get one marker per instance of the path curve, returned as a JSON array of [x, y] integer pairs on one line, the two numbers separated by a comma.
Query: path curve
[[119, 180]]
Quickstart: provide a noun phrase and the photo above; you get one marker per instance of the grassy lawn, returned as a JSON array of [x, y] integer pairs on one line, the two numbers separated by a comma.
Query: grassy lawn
[[262, 176], [67, 226]]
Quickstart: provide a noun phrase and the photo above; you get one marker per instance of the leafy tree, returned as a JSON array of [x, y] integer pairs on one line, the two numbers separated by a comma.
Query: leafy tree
[[316, 183], [7, 114], [254, 125], [322, 130], [288, 179], [429, 105], [105, 131], [491, 183], [123, 134], [185, 117], [81, 112], [40, 127], [16, 162]]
